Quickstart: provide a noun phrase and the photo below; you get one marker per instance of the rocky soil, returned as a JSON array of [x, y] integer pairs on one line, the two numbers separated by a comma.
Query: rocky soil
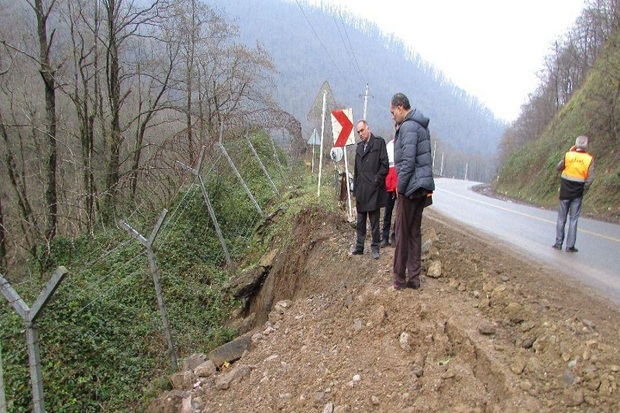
[[489, 331]]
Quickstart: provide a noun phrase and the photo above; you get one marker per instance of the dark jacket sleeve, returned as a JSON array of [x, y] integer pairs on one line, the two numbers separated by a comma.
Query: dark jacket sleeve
[[409, 147]]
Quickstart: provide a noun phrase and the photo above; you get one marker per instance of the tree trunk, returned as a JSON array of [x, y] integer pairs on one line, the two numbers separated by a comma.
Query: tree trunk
[[2, 243], [47, 73], [114, 97]]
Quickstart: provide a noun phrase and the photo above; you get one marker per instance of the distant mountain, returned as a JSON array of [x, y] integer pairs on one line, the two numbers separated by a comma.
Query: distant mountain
[[310, 45]]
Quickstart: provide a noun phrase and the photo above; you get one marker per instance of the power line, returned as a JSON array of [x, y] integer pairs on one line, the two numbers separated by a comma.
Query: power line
[[344, 26], [319, 39]]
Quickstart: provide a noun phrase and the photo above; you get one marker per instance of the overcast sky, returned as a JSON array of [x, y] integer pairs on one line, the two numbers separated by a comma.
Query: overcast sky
[[490, 48]]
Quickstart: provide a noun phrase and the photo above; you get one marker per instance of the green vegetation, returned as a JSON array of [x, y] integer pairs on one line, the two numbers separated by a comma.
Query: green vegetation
[[594, 110], [102, 342]]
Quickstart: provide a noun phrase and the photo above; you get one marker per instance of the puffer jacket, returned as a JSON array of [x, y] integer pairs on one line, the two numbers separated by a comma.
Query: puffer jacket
[[412, 154]]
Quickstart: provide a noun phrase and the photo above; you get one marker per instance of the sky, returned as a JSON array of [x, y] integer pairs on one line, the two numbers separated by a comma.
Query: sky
[[493, 49]]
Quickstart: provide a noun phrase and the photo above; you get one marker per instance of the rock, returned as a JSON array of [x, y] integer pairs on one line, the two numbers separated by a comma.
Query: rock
[[448, 374], [183, 380], [168, 402], [426, 245], [246, 284], [403, 340], [231, 351], [573, 397], [434, 269], [518, 365], [236, 374], [546, 344], [278, 310], [487, 329], [378, 315], [266, 260], [568, 378], [244, 325], [589, 324], [257, 338], [514, 311], [206, 369], [418, 365], [329, 408], [283, 305], [193, 361]]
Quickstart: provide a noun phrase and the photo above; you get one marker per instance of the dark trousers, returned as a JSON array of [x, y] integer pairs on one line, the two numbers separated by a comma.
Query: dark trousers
[[408, 248], [390, 201], [374, 217]]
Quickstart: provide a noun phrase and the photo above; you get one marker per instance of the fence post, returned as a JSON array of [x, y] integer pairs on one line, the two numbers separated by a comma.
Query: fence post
[[232, 165], [205, 195], [2, 398], [273, 186], [30, 315], [148, 244]]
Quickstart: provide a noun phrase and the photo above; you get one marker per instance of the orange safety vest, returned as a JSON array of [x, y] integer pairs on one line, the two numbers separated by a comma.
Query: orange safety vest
[[576, 166]]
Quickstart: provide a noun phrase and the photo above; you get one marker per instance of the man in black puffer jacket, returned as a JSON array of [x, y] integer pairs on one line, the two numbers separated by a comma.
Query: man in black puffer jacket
[[414, 167]]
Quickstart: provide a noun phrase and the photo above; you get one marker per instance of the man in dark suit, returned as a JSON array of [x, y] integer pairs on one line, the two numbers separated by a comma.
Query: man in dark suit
[[371, 168]]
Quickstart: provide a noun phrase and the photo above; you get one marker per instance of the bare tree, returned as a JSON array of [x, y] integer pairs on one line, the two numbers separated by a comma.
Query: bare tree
[[84, 29], [564, 71], [2, 239], [47, 72], [151, 102], [122, 22]]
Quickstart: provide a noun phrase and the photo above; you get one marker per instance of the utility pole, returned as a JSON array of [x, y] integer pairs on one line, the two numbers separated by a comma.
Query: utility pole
[[441, 170], [365, 102]]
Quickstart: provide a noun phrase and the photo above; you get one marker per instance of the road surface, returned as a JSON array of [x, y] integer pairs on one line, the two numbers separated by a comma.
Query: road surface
[[531, 232]]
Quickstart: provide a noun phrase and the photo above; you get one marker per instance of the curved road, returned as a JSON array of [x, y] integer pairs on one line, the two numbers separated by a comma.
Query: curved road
[[531, 231]]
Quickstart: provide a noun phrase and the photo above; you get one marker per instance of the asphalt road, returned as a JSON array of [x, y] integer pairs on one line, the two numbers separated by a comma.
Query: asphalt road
[[531, 232]]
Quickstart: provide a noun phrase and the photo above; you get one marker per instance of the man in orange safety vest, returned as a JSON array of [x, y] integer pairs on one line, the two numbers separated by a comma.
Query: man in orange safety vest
[[577, 168]]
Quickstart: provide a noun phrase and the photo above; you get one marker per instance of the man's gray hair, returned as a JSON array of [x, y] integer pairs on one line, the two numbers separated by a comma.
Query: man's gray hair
[[582, 141]]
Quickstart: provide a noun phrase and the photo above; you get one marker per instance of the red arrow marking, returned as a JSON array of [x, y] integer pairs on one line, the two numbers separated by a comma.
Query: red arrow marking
[[347, 127]]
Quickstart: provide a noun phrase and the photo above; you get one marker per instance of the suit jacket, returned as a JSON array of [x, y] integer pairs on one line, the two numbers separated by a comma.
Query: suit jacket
[[371, 168]]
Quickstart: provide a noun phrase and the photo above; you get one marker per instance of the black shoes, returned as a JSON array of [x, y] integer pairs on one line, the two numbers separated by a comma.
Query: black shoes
[[375, 255], [568, 249], [384, 243], [415, 284], [357, 252]]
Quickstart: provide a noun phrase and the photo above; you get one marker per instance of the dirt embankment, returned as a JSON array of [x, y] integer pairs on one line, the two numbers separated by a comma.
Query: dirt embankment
[[493, 333]]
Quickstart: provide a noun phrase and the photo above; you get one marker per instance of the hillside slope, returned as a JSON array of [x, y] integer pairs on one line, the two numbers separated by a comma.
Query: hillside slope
[[310, 45], [594, 110], [494, 333]]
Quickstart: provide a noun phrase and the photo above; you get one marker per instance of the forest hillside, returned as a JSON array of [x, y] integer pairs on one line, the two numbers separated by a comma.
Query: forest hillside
[[593, 110], [311, 45]]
